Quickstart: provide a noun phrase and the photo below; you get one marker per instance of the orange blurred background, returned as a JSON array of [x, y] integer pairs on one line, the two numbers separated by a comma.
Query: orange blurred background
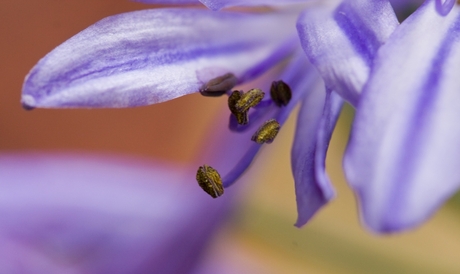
[[260, 237]]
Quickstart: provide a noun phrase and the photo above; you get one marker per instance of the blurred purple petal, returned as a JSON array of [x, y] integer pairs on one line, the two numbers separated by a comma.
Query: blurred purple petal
[[403, 155], [342, 41], [220, 4], [151, 56], [315, 124], [88, 214]]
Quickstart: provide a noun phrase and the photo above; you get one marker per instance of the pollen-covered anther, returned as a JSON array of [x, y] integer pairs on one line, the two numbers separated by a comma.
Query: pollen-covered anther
[[210, 181], [267, 132], [281, 93], [241, 117], [219, 85], [249, 99]]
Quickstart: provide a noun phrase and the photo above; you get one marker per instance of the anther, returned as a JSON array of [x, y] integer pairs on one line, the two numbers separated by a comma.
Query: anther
[[210, 181], [219, 85], [249, 99], [267, 132], [281, 93], [241, 117]]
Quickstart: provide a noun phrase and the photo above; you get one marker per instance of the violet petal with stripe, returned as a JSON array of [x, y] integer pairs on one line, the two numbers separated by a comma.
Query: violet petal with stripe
[[342, 40], [220, 4], [316, 121], [403, 156], [151, 56]]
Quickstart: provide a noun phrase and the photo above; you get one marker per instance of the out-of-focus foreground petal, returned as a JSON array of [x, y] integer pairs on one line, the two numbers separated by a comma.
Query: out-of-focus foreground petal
[[403, 157], [220, 4], [88, 214], [315, 124], [151, 56], [342, 41]]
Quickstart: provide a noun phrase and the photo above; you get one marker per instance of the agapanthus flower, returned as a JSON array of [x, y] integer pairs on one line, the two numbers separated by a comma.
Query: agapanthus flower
[[63, 213], [151, 56], [358, 48]]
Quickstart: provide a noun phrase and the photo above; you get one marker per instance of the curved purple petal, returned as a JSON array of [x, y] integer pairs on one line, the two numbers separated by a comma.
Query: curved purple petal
[[315, 124], [93, 214], [151, 56], [403, 157], [220, 4], [342, 41]]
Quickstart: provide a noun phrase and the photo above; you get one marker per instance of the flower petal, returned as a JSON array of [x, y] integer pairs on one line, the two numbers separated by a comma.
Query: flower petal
[[315, 124], [342, 41], [403, 155], [151, 56], [93, 214], [220, 4]]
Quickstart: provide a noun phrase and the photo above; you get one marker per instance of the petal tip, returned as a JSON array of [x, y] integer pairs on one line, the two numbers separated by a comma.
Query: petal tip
[[28, 102], [299, 223]]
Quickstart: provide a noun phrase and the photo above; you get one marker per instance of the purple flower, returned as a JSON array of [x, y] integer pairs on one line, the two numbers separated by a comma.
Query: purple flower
[[151, 56], [358, 47], [65, 213], [402, 157]]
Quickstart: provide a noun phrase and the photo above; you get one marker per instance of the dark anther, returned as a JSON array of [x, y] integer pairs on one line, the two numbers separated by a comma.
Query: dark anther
[[281, 93], [210, 181], [241, 117], [267, 132], [219, 85]]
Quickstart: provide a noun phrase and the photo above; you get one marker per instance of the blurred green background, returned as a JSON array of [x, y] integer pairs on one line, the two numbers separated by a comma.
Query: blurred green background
[[260, 236]]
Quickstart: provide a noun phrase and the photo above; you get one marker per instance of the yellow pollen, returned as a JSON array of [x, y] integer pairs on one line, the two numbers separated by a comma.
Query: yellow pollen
[[210, 181], [241, 117], [249, 99], [267, 132]]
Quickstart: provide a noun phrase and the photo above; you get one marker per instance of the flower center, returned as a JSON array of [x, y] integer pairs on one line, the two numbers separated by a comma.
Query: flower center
[[240, 103]]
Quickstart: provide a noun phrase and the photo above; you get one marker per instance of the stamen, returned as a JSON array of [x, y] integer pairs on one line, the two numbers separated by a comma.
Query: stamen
[[281, 93], [233, 99], [219, 85], [267, 132], [249, 99], [210, 181]]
